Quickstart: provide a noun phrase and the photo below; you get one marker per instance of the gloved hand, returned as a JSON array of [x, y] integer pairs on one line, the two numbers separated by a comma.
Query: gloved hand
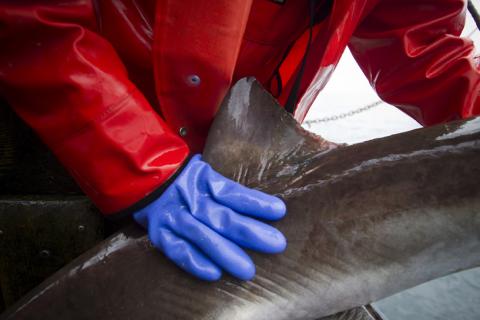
[[202, 219]]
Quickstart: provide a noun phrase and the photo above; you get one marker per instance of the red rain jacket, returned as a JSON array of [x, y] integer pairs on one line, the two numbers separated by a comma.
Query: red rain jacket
[[123, 90]]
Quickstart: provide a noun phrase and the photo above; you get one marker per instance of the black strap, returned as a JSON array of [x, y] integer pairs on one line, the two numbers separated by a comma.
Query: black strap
[[324, 11], [473, 11], [276, 75]]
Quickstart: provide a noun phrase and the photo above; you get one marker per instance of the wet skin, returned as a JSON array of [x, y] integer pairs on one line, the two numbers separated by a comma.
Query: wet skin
[[363, 222]]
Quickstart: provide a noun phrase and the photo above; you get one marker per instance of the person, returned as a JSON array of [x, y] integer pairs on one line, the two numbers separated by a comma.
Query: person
[[124, 91]]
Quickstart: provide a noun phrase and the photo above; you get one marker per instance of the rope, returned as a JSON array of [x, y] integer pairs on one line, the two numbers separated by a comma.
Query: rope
[[472, 33]]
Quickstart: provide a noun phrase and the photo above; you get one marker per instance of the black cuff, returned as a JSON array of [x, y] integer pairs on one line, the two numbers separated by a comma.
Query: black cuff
[[122, 214]]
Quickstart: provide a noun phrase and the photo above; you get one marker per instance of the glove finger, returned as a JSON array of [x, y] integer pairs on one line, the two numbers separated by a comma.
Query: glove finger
[[220, 250], [243, 199], [184, 255], [244, 231]]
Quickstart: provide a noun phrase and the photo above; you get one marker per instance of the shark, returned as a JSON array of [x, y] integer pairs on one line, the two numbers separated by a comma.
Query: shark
[[363, 222]]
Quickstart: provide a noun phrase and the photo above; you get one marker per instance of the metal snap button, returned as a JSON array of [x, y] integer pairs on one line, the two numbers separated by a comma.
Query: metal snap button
[[45, 254], [193, 80], [182, 131]]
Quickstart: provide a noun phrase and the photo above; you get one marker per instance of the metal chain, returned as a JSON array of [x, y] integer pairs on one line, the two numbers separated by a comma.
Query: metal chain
[[343, 115]]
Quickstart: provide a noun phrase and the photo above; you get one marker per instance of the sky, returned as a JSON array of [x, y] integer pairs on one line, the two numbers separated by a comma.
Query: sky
[[348, 89]]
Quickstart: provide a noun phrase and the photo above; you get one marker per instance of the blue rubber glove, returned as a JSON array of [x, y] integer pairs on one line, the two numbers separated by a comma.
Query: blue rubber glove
[[202, 219]]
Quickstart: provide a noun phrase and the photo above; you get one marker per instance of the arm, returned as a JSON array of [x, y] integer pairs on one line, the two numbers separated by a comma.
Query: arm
[[413, 56], [69, 85]]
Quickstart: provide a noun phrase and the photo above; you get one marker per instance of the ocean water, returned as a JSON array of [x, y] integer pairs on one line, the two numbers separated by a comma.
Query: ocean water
[[454, 297]]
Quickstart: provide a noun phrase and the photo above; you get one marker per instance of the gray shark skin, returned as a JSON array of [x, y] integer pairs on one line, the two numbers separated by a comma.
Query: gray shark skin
[[363, 222]]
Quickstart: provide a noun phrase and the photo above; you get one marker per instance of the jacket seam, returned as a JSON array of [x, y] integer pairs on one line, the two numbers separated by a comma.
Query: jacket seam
[[98, 19]]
